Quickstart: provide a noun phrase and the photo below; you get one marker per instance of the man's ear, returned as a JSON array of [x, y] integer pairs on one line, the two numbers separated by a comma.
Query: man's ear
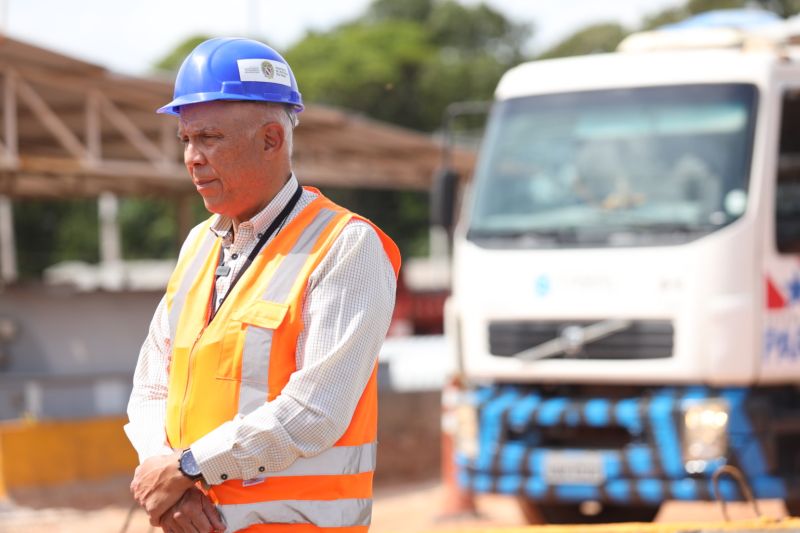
[[273, 138]]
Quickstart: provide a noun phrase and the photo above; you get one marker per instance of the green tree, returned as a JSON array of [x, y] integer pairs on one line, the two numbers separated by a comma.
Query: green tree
[[476, 31], [148, 228], [784, 8], [372, 68], [403, 62], [411, 10], [695, 7], [667, 16], [49, 231], [594, 39]]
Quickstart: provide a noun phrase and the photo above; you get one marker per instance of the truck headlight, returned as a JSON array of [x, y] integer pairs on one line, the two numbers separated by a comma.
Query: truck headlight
[[705, 433]]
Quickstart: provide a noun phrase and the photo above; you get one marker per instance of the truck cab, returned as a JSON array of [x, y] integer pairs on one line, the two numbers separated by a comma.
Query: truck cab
[[626, 279]]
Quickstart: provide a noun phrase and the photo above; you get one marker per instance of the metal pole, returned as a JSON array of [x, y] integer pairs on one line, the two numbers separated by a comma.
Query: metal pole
[[8, 255], [10, 132], [451, 112], [94, 133], [110, 248]]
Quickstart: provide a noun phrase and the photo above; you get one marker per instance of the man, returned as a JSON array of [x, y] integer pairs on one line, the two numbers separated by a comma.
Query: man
[[254, 405]]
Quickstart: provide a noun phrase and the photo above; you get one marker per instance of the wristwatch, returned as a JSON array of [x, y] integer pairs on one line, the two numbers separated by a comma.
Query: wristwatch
[[188, 465]]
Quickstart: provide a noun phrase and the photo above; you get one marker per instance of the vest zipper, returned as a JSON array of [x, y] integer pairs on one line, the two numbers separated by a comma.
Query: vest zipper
[[188, 383], [208, 318]]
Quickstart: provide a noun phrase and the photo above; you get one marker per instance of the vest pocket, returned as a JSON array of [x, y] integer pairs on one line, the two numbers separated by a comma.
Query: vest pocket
[[263, 313], [248, 342]]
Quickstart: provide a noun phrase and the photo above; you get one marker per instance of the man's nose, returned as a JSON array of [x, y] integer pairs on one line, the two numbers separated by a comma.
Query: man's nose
[[192, 156]]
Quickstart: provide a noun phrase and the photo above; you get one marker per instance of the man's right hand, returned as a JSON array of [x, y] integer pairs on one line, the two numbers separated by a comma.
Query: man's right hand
[[194, 513]]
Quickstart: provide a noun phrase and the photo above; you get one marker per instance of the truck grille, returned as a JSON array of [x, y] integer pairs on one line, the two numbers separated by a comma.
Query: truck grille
[[641, 339]]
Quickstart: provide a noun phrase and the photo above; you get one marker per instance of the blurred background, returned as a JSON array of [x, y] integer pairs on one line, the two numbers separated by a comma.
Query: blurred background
[[94, 203]]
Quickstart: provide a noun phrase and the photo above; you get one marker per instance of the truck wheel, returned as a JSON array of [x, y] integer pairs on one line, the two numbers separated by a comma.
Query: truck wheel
[[570, 513], [530, 511], [792, 507]]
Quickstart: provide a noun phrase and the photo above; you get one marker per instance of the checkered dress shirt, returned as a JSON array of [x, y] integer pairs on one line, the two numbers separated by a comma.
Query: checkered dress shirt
[[347, 310]]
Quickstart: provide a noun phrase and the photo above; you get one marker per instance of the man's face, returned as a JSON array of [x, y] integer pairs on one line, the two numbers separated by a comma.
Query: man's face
[[223, 152]]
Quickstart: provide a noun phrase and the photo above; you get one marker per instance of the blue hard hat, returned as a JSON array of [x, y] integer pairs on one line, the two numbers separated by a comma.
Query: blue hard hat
[[234, 69]]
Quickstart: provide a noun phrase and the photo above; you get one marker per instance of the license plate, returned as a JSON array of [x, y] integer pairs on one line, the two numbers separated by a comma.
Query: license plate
[[574, 468]]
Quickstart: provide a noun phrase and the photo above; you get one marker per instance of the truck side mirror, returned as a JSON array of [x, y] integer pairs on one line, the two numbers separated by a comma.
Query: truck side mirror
[[443, 198]]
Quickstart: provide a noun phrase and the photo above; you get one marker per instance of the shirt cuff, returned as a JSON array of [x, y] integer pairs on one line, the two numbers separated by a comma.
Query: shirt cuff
[[246, 447], [214, 455]]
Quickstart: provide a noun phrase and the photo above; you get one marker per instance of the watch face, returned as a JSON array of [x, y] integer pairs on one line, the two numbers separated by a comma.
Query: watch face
[[189, 465]]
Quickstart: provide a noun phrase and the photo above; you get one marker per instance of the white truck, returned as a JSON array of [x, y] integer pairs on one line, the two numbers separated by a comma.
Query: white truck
[[625, 300]]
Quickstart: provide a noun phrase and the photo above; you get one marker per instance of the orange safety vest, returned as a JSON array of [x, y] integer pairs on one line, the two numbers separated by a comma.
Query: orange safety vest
[[245, 355]]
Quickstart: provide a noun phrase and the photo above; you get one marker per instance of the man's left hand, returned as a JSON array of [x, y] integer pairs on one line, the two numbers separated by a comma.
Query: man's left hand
[[158, 484]]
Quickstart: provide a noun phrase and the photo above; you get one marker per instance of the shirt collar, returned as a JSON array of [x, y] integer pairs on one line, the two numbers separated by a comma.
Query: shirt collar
[[222, 225]]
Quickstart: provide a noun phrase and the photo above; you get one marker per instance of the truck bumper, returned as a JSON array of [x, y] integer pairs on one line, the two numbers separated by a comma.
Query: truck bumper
[[642, 464]]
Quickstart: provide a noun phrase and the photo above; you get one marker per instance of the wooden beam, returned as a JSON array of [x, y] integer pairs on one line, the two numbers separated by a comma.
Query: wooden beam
[[169, 141], [110, 244], [323, 174], [130, 130], [94, 128], [174, 173], [47, 117], [174, 176], [8, 255], [10, 133], [80, 185], [24, 53], [133, 91]]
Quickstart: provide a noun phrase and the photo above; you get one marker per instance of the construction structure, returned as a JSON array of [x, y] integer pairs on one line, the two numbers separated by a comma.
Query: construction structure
[[71, 129]]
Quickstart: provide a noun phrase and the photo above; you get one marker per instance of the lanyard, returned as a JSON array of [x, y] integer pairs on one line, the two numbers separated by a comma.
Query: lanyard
[[224, 270]]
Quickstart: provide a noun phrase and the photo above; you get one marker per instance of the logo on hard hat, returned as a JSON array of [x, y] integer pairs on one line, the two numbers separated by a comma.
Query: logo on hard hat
[[267, 69]]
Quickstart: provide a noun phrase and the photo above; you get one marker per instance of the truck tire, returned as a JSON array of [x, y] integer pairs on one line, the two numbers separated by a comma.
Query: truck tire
[[570, 513], [530, 511], [792, 507]]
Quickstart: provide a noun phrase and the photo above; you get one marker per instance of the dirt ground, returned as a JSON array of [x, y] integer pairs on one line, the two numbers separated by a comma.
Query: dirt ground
[[402, 509], [410, 508]]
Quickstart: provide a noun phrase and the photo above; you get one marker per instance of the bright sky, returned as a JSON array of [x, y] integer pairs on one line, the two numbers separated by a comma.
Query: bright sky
[[129, 36]]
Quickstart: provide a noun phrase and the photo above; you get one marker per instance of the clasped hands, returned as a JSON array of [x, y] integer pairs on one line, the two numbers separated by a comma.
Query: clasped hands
[[171, 500]]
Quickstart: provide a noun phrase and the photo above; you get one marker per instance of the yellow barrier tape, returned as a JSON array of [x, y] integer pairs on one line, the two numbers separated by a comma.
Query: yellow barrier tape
[[46, 453]]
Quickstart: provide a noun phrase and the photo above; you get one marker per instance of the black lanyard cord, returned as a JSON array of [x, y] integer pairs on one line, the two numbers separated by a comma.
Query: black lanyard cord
[[276, 225]]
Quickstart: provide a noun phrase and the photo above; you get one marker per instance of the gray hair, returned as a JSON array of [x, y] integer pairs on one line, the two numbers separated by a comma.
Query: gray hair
[[287, 117]]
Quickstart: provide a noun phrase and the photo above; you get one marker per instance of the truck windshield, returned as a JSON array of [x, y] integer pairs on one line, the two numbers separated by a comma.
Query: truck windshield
[[642, 166]]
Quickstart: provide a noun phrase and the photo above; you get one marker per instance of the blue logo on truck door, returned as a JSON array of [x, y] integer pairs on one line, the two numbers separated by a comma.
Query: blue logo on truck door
[[542, 286]]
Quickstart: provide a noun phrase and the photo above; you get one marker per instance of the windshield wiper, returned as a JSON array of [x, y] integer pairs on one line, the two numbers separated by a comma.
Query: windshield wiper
[[667, 227], [553, 235]]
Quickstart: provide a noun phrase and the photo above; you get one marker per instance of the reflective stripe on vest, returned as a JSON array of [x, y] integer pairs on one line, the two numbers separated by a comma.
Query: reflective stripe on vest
[[321, 513], [336, 461], [189, 276], [258, 341]]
